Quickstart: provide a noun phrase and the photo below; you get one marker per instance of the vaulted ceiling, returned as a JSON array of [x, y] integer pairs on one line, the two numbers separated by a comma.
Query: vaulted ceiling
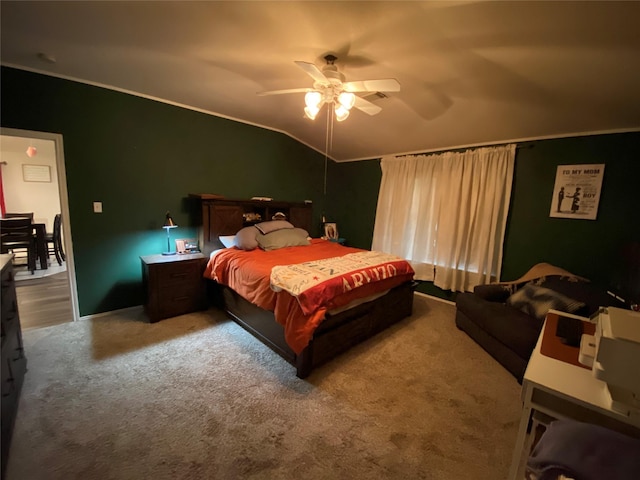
[[471, 73]]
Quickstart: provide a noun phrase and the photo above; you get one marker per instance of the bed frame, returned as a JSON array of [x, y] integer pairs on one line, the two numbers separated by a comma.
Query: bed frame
[[337, 333]]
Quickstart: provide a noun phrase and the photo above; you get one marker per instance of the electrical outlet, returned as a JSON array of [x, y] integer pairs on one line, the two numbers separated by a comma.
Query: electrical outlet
[[97, 207]]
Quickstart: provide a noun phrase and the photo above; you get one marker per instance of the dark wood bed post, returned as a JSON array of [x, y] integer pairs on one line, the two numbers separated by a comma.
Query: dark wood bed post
[[303, 362]]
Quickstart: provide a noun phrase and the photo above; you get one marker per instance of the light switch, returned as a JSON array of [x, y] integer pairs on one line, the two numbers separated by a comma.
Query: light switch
[[97, 207]]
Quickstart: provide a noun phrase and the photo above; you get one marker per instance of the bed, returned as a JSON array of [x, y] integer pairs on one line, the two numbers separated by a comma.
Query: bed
[[344, 320]]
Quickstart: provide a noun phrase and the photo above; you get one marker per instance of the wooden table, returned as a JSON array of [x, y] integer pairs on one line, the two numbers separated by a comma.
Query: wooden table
[[558, 387]]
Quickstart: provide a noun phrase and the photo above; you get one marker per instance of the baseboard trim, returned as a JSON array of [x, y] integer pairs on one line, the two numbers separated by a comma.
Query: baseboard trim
[[140, 308], [434, 298], [135, 309]]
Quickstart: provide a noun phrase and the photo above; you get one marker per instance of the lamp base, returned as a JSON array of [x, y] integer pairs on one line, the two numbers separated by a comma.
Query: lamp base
[[168, 253]]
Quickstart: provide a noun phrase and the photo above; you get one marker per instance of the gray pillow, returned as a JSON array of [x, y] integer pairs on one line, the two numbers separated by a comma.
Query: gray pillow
[[272, 226], [246, 238], [287, 237], [537, 301]]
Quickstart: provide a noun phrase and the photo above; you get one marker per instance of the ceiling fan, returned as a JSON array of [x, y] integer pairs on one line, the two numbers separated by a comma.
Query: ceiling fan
[[330, 87]]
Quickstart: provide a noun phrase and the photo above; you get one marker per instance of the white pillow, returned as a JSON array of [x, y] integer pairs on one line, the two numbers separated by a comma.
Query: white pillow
[[228, 240]]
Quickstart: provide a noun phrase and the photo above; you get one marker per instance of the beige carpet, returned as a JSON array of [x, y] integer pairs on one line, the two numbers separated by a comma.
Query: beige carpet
[[196, 397]]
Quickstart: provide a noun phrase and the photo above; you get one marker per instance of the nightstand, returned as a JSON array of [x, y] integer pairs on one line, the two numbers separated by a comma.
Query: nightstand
[[173, 284]]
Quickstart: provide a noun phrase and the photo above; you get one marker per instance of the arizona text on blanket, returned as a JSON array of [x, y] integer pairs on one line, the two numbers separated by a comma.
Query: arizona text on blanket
[[316, 282]]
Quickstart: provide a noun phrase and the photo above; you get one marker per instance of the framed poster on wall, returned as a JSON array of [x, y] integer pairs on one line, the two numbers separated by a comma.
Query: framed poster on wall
[[576, 193], [36, 173]]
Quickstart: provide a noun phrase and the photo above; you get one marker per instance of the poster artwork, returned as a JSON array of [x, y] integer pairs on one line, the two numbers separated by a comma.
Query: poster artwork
[[576, 193]]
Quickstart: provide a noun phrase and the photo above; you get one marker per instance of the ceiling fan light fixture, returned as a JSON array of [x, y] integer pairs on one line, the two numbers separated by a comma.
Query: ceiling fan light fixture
[[347, 99], [311, 112], [312, 100], [341, 112]]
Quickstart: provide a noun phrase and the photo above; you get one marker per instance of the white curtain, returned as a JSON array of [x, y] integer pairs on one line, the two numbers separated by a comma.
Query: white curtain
[[446, 213]]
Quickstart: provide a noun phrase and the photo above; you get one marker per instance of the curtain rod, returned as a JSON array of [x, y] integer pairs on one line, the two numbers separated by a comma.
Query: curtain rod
[[464, 149]]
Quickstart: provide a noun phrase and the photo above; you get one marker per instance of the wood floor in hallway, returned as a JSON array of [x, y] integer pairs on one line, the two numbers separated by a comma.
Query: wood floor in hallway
[[45, 301]]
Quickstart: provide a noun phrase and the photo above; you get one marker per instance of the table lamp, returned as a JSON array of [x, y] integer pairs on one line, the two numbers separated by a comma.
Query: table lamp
[[168, 225]]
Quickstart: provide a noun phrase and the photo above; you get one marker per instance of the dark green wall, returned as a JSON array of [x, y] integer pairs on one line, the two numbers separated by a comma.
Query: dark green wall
[[585, 247], [352, 196], [141, 158]]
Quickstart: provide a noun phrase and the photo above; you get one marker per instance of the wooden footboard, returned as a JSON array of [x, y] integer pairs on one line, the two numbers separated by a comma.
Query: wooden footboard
[[336, 334]]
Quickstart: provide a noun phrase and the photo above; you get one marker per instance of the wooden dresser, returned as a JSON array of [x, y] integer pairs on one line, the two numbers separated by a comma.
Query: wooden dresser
[[14, 363]]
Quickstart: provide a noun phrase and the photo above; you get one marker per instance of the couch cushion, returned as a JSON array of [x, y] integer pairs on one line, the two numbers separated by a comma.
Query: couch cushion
[[513, 328], [537, 301], [493, 292]]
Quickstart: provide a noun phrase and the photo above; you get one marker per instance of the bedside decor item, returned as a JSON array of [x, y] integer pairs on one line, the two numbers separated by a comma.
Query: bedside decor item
[[576, 193], [331, 230], [168, 225]]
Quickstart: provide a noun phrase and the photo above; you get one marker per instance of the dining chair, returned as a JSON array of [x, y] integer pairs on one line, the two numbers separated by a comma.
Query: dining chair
[[19, 215], [54, 240], [17, 234], [21, 253]]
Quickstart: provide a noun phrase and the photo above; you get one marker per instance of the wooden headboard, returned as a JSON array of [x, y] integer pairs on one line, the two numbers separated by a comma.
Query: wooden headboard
[[222, 216]]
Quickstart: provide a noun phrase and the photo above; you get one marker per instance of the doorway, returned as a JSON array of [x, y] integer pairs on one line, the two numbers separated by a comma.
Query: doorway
[[39, 150]]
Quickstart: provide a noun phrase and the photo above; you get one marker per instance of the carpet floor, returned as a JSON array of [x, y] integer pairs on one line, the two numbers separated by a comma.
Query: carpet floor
[[197, 397]]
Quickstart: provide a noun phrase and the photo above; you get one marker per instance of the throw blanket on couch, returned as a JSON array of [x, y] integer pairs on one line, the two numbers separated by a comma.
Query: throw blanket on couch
[[540, 271]]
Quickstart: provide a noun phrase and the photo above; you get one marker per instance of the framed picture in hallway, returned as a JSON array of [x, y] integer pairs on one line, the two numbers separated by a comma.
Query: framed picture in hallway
[[36, 173], [576, 192]]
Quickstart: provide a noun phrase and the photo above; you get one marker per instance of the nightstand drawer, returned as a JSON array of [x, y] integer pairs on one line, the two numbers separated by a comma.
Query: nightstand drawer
[[176, 274], [178, 300]]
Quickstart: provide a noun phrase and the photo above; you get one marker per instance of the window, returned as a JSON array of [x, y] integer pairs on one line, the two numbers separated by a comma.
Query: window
[[446, 213]]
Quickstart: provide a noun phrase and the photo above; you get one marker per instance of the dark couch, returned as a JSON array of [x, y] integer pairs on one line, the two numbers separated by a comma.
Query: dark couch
[[494, 315]]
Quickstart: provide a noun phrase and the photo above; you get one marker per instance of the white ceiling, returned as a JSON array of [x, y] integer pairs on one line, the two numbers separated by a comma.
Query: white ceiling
[[471, 73]]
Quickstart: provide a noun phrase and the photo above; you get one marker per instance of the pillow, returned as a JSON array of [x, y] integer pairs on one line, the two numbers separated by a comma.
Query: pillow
[[272, 226], [287, 237], [246, 238], [228, 240], [592, 295], [536, 301]]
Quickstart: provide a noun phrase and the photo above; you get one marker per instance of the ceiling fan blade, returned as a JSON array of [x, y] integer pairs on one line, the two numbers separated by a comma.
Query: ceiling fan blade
[[287, 90], [382, 85], [366, 106], [313, 71]]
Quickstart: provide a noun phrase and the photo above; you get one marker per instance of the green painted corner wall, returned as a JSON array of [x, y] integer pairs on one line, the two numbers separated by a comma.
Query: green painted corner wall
[[586, 247], [352, 196], [141, 158]]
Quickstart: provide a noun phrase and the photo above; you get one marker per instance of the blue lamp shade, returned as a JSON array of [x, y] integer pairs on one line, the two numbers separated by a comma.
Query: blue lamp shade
[[168, 225]]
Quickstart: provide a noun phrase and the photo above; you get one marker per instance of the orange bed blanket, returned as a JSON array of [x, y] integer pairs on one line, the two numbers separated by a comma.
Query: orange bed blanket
[[249, 274]]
